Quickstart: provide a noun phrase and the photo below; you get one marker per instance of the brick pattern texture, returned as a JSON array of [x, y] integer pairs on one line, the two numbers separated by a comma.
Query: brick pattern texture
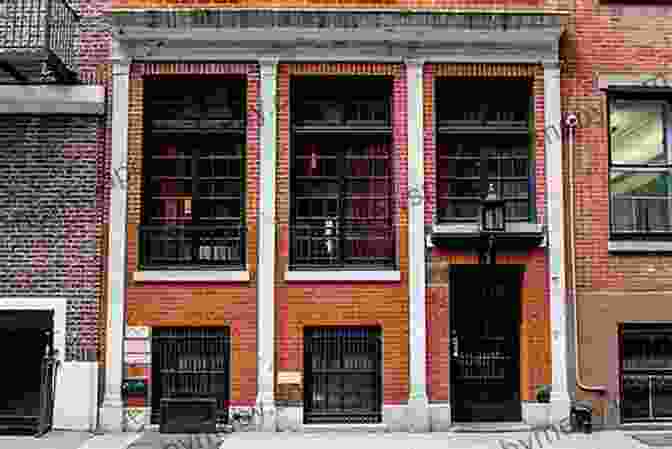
[[301, 304], [198, 304], [610, 288]]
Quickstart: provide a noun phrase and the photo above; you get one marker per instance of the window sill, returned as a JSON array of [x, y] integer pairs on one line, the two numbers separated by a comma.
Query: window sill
[[339, 276], [631, 246], [191, 276]]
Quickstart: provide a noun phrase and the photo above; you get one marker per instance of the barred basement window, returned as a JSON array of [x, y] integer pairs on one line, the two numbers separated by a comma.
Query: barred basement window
[[485, 136], [191, 363], [646, 382], [343, 375], [342, 184], [194, 195], [640, 180]]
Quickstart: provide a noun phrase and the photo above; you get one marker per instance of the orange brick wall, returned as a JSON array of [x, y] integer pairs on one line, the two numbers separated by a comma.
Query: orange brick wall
[[361, 303], [198, 304]]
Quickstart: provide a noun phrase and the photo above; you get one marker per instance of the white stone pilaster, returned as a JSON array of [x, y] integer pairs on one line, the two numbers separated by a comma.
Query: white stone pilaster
[[266, 245], [556, 243], [112, 414], [418, 410]]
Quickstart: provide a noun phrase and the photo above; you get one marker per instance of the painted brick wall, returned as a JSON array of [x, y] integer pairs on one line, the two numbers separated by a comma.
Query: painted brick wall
[[535, 355], [375, 303], [49, 218], [198, 304]]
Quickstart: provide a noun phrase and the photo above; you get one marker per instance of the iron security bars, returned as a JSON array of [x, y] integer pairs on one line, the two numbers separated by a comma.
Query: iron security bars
[[646, 373], [191, 363], [48, 25], [343, 378]]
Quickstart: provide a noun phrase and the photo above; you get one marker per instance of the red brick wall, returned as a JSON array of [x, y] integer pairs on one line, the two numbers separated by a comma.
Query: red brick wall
[[611, 288], [198, 304], [343, 303]]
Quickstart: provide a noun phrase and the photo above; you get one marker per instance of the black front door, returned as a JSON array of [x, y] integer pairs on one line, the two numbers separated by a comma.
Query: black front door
[[484, 323]]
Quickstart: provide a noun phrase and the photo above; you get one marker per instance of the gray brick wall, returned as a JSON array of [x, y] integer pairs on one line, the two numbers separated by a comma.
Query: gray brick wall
[[48, 218]]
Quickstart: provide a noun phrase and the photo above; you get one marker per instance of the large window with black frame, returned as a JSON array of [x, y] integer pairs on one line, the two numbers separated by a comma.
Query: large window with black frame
[[485, 136], [194, 174], [341, 173], [640, 160]]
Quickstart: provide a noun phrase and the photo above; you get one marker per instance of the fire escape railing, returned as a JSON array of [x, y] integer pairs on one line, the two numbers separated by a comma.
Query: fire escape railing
[[48, 25]]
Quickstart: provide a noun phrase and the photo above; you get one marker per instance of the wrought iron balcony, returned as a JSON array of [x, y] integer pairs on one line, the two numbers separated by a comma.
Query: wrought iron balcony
[[320, 245], [192, 247], [37, 41]]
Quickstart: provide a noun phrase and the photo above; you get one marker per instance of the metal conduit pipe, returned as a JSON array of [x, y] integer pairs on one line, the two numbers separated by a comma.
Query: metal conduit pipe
[[571, 122]]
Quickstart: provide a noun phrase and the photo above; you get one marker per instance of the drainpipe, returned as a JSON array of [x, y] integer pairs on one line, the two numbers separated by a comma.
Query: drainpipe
[[571, 122]]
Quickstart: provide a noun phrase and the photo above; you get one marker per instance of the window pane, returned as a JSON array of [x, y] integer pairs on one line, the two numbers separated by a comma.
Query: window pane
[[640, 202], [637, 132], [635, 396]]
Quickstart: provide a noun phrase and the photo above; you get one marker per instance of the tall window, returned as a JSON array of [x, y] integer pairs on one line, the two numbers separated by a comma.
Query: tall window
[[194, 174], [342, 186], [639, 179], [484, 138]]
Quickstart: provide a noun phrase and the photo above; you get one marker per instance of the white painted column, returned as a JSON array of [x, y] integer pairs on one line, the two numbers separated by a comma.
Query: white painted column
[[112, 413], [418, 412], [266, 249], [556, 243]]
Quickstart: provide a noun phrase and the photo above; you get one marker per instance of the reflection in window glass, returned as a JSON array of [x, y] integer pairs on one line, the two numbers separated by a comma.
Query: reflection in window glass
[[636, 131]]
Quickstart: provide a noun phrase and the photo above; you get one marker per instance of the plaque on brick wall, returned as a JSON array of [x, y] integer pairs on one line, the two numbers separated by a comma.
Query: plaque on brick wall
[[289, 377]]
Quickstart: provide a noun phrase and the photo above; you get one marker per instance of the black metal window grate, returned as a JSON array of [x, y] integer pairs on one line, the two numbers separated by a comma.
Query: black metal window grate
[[194, 200], [646, 373], [342, 183], [484, 139], [640, 182], [343, 375], [191, 363]]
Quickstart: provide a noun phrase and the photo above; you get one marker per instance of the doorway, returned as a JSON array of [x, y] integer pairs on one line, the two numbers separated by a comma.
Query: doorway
[[26, 336], [484, 343]]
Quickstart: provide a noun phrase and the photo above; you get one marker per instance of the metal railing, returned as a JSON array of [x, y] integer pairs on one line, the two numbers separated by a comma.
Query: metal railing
[[328, 244], [40, 24], [189, 246], [49, 370], [640, 214]]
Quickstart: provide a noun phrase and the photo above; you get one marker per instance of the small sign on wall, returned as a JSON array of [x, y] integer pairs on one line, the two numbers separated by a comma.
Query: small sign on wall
[[289, 377]]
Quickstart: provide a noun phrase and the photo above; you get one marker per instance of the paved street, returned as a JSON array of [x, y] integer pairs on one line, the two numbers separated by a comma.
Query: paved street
[[286, 440]]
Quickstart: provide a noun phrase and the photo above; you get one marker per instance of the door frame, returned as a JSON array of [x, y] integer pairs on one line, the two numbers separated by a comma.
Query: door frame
[[455, 270]]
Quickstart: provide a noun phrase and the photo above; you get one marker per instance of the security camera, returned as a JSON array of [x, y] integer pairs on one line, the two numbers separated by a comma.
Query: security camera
[[571, 120]]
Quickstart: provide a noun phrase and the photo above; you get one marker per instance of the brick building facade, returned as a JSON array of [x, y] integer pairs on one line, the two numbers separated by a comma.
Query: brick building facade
[[617, 68], [53, 208], [358, 258]]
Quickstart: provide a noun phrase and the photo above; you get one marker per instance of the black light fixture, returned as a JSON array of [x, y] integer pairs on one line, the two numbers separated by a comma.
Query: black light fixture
[[493, 219]]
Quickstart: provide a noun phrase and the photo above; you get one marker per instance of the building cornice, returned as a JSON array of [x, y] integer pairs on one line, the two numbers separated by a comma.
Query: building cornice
[[390, 36]]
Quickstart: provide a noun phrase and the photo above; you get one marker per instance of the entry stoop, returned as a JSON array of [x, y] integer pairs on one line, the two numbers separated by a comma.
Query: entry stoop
[[493, 427], [346, 428]]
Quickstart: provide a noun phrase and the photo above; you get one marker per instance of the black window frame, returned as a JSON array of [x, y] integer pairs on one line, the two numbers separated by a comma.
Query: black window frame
[[489, 124], [645, 233], [330, 241], [212, 242]]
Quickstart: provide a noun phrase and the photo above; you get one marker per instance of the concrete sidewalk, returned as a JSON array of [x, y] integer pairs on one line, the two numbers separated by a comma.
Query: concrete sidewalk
[[612, 439]]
